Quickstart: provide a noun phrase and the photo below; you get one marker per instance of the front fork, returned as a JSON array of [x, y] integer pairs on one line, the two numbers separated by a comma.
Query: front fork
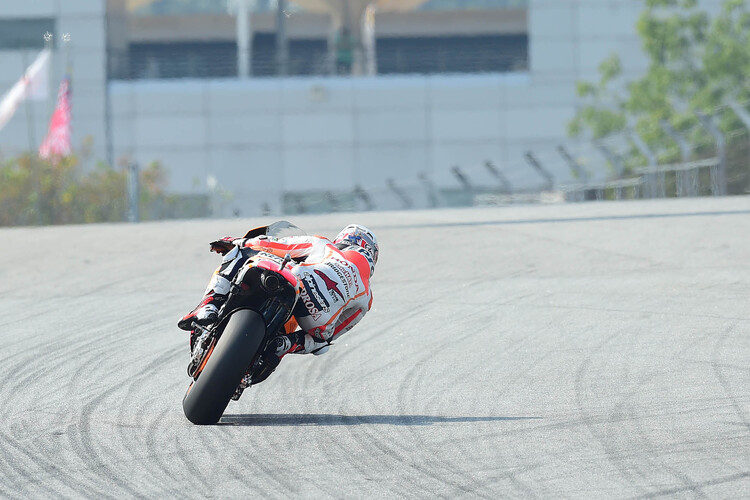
[[200, 343]]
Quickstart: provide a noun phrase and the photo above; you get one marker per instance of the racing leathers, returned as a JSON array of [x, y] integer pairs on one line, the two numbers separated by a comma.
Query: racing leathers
[[334, 284]]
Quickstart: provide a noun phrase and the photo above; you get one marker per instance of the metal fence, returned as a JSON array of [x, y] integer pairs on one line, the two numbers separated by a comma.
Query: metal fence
[[725, 171]]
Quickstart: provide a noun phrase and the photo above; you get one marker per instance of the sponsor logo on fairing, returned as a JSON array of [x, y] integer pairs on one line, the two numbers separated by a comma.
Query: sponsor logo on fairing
[[331, 285]]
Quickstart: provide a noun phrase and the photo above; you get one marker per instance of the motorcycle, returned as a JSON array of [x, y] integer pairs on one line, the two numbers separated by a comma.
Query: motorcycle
[[226, 356]]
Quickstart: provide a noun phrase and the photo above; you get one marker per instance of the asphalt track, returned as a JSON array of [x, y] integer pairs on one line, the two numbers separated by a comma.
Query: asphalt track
[[561, 351]]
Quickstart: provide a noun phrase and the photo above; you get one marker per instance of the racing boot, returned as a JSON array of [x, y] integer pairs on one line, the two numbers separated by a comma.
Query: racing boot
[[276, 349], [205, 314], [216, 292]]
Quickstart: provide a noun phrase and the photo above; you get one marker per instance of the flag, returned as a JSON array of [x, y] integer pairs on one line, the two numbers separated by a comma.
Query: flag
[[32, 85], [57, 141]]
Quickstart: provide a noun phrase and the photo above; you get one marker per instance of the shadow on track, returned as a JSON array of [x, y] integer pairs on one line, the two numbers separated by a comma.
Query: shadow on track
[[270, 419]]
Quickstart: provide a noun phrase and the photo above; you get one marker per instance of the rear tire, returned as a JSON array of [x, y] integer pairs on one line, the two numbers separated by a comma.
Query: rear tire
[[208, 396]]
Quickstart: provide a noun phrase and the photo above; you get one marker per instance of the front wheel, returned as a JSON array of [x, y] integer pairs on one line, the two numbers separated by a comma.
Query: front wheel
[[207, 397]]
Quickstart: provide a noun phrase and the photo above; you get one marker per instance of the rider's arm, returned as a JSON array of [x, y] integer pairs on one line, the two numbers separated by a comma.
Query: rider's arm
[[298, 247], [347, 320]]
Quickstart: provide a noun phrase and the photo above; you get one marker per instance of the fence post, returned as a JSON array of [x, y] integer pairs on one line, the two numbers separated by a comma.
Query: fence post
[[684, 179], [430, 188], [578, 171], [299, 202], [718, 173], [362, 195], [462, 179], [407, 203], [655, 180], [507, 187], [332, 201], [133, 192], [531, 160], [611, 157], [743, 115]]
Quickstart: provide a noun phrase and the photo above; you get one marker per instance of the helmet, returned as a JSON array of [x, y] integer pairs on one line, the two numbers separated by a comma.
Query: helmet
[[362, 238]]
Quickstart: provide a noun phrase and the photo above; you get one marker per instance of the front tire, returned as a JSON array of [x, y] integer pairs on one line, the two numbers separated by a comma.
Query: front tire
[[208, 396]]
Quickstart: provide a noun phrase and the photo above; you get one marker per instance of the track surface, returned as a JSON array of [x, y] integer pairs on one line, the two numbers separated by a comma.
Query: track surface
[[562, 351]]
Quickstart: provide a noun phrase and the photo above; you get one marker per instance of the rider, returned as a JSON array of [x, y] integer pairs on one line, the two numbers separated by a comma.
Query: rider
[[334, 278]]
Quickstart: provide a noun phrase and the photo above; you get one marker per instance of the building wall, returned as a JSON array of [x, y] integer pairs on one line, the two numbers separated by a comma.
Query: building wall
[[85, 21], [335, 133], [570, 38]]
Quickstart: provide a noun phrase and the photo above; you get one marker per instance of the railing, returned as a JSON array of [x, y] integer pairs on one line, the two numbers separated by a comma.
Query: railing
[[181, 7], [311, 57]]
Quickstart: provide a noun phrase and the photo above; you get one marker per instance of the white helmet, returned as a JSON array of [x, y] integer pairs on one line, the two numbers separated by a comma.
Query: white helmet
[[362, 238]]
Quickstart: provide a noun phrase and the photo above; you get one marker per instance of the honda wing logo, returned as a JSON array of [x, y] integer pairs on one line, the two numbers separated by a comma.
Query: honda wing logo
[[331, 285]]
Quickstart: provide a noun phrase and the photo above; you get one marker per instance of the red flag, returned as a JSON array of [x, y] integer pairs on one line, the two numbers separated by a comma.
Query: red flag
[[57, 141]]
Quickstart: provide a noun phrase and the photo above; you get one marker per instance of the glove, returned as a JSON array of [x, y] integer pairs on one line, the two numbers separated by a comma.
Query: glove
[[223, 245]]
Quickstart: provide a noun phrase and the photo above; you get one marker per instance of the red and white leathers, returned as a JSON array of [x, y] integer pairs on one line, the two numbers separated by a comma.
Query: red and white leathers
[[334, 285]]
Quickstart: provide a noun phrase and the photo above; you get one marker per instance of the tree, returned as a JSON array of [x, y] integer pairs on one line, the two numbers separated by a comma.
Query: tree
[[696, 63], [34, 191]]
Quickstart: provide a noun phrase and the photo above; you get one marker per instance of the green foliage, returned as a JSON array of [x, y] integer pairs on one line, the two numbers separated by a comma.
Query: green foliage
[[33, 192], [610, 68], [603, 116], [696, 63]]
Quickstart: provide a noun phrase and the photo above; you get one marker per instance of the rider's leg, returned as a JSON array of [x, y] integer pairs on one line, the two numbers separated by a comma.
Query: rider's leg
[[216, 292], [277, 348], [281, 345]]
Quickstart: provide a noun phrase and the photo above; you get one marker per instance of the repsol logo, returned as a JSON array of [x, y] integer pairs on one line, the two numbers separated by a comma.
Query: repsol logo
[[315, 304], [312, 308], [308, 282]]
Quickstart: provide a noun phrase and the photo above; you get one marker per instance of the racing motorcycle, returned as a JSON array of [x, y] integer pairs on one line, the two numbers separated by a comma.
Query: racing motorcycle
[[226, 356]]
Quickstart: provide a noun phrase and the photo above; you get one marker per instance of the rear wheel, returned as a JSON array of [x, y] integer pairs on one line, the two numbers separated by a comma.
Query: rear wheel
[[208, 396]]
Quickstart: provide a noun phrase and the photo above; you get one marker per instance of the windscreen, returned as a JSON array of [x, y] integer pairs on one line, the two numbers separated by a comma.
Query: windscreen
[[283, 229]]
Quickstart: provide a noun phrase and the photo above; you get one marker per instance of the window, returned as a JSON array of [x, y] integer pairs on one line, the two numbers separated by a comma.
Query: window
[[24, 33]]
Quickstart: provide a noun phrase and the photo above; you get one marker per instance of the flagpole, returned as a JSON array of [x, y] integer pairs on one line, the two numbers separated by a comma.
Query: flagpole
[[69, 75], [33, 163], [49, 44], [28, 106], [66, 54]]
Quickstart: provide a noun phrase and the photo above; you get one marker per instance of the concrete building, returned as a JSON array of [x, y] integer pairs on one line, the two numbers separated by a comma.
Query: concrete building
[[23, 25], [255, 142]]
